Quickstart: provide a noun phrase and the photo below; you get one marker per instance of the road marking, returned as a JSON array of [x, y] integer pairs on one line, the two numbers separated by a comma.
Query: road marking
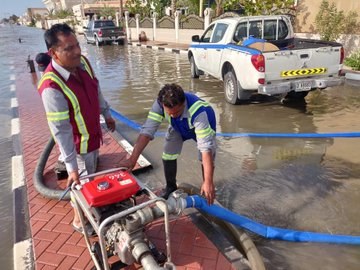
[[15, 126], [22, 255], [17, 174], [14, 103]]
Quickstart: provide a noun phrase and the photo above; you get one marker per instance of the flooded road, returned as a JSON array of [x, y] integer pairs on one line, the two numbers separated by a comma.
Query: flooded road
[[310, 184]]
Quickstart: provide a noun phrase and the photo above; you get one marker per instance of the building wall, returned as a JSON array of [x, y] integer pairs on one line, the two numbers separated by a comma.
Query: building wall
[[52, 4], [308, 9], [68, 4]]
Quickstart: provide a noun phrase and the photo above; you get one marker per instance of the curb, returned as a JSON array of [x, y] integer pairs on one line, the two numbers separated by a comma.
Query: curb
[[22, 250], [160, 48]]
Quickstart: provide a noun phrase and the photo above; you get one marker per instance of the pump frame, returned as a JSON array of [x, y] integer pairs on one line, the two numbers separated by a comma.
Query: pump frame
[[85, 210]]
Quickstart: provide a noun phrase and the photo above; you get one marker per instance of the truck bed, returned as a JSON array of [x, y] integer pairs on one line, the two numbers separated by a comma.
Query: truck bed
[[303, 43]]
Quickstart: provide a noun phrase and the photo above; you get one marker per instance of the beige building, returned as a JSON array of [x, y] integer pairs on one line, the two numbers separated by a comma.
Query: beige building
[[308, 9]]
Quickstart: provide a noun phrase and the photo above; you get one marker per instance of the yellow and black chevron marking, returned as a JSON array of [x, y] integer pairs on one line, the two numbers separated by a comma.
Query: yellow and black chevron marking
[[303, 72]]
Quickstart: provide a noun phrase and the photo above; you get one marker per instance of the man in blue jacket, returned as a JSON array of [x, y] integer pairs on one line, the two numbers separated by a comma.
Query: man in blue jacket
[[189, 117]]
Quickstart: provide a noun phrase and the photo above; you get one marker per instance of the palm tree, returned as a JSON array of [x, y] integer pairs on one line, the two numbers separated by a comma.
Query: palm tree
[[173, 7]]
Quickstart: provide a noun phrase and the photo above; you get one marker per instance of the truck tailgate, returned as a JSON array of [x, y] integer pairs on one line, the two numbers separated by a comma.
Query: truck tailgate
[[108, 32], [301, 63]]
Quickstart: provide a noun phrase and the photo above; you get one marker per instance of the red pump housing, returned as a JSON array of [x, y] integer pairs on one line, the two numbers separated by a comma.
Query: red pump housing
[[110, 188]]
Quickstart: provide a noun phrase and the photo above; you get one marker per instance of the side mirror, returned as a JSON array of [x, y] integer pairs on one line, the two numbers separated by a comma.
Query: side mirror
[[195, 38]]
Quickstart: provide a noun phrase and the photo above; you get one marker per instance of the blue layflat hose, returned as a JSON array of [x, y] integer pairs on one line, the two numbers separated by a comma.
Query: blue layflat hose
[[267, 231], [118, 116]]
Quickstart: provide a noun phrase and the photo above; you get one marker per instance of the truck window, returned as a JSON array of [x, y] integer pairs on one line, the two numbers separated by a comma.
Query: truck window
[[99, 24], [255, 29], [283, 30], [219, 32], [270, 30], [240, 32], [207, 35]]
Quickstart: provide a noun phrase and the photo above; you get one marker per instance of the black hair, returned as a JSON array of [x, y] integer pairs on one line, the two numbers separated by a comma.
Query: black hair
[[171, 95], [51, 35]]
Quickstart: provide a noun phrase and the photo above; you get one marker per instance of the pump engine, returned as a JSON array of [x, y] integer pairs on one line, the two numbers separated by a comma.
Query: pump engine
[[109, 203]]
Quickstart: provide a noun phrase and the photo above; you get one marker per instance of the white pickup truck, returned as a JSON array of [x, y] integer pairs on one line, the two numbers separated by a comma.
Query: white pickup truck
[[259, 54]]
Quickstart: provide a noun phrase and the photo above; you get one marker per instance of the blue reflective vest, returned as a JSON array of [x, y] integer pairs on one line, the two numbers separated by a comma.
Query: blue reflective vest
[[195, 106]]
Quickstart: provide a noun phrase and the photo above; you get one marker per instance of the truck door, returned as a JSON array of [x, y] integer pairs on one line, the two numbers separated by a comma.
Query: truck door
[[202, 50], [216, 47]]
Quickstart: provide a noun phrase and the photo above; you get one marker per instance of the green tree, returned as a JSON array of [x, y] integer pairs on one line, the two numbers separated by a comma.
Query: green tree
[[61, 14], [331, 23], [159, 6], [328, 21], [14, 18], [353, 60], [107, 11], [133, 6], [136, 7], [266, 7]]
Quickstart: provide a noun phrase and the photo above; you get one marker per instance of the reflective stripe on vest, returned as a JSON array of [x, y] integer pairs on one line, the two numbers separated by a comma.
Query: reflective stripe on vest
[[57, 116], [87, 67], [155, 116], [80, 123], [202, 133], [169, 156]]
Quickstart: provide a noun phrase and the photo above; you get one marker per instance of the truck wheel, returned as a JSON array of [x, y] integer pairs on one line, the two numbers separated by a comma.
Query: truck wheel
[[193, 68], [231, 88], [294, 96], [97, 42]]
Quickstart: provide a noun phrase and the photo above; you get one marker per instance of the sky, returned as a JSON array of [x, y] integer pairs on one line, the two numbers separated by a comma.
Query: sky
[[18, 7]]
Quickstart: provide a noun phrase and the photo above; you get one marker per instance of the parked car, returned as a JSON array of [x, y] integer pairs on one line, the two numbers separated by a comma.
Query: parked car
[[100, 32], [259, 54]]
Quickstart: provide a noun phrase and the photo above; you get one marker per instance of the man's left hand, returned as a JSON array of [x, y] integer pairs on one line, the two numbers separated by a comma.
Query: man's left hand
[[110, 123]]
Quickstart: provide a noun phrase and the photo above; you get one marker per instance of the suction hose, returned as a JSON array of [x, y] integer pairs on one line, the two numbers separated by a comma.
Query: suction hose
[[243, 241], [38, 178], [267, 231]]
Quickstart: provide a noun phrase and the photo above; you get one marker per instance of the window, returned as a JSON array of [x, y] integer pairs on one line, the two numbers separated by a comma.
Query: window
[[219, 32], [99, 24], [207, 35], [255, 29], [283, 30], [240, 32], [270, 30]]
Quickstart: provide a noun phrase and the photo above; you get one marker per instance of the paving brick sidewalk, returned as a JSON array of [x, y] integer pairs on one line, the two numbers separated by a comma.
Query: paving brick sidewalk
[[55, 244]]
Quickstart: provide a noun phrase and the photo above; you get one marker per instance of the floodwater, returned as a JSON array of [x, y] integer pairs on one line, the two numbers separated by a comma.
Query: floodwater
[[310, 184]]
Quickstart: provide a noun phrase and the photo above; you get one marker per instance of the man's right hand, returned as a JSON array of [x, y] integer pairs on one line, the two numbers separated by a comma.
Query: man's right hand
[[73, 177], [128, 163]]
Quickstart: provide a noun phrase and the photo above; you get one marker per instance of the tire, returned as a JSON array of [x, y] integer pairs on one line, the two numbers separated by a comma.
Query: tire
[[97, 42], [193, 68], [293, 96], [231, 88]]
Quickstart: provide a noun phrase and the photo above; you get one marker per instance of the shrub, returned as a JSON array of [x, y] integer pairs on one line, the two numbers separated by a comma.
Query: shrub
[[331, 23], [353, 60]]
